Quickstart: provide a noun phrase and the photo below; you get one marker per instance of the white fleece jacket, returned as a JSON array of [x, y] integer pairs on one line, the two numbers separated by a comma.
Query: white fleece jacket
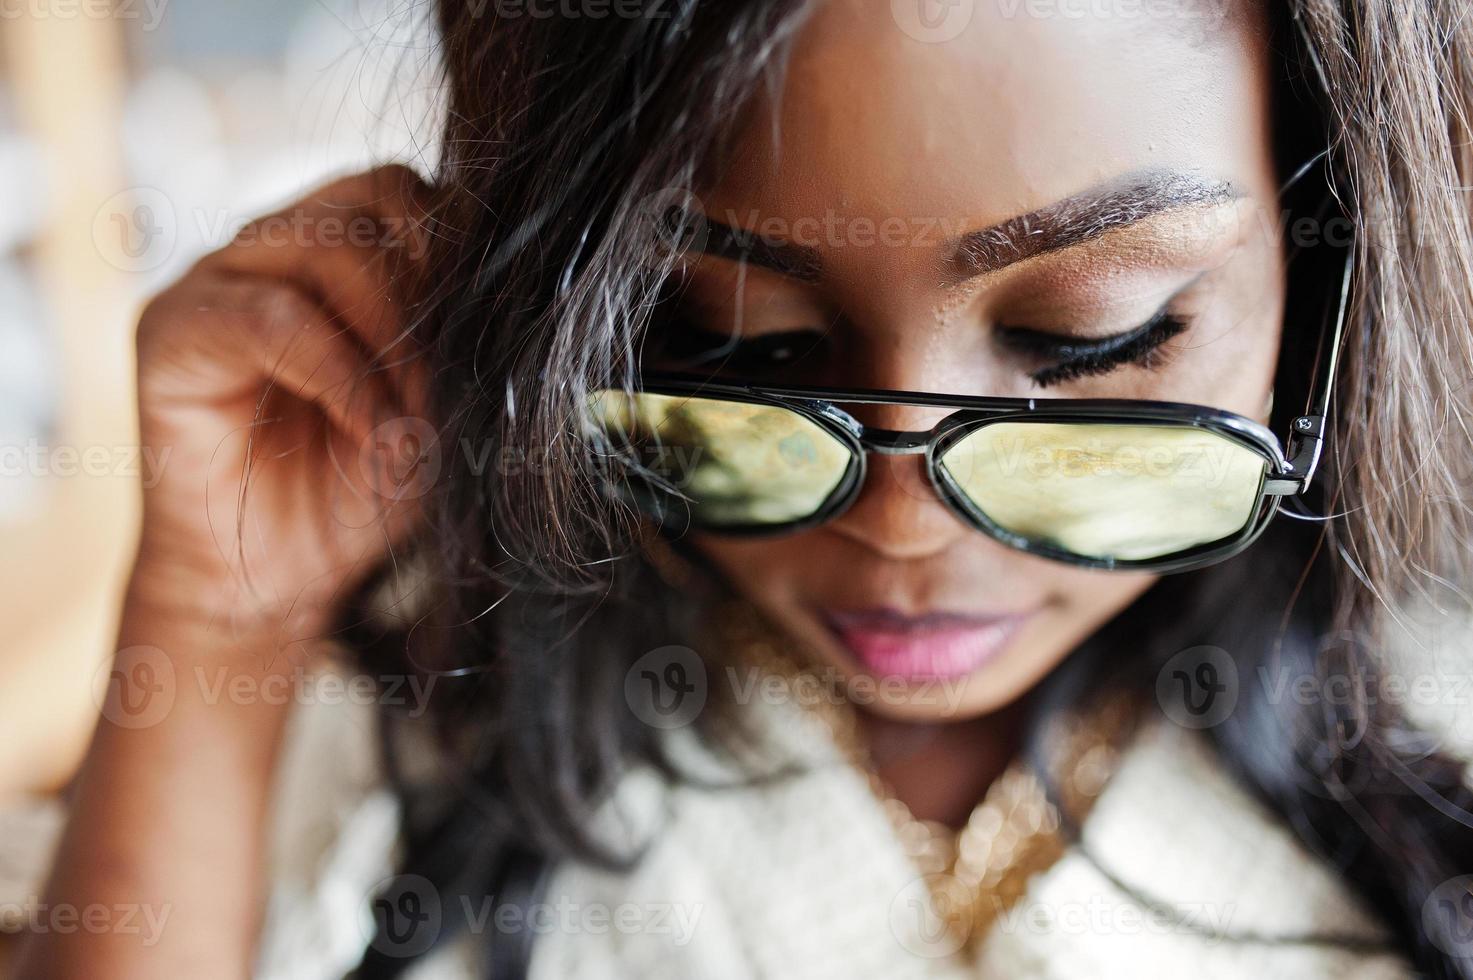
[[803, 878]]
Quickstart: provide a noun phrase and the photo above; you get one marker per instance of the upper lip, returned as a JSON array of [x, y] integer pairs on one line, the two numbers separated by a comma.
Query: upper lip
[[886, 619]]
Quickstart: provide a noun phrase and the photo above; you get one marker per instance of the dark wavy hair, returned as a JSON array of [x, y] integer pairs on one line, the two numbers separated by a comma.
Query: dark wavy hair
[[530, 594]]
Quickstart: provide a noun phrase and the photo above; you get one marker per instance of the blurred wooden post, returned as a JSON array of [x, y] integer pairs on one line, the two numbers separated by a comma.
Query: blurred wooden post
[[62, 569]]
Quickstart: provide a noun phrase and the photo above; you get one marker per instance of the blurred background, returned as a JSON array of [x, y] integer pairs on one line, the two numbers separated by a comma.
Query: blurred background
[[135, 136]]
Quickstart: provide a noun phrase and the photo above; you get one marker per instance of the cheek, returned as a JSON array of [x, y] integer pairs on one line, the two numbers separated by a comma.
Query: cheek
[[772, 571]]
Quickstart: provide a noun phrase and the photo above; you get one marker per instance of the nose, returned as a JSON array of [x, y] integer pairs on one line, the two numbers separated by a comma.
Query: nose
[[897, 513]]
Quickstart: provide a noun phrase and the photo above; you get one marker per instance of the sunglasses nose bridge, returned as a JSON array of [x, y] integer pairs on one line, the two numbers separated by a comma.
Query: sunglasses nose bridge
[[894, 442]]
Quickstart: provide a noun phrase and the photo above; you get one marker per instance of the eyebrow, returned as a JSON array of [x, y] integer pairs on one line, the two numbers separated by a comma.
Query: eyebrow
[[1063, 224], [1085, 217], [740, 245]]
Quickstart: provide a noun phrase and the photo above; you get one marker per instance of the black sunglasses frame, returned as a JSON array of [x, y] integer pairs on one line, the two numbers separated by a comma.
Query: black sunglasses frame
[[1286, 474], [818, 405]]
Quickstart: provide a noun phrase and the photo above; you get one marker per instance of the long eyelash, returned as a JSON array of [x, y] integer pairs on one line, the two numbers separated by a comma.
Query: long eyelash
[[699, 347], [1141, 346]]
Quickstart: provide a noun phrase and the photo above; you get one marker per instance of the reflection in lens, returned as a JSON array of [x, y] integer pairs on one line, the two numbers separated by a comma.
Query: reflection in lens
[[1105, 491], [736, 463]]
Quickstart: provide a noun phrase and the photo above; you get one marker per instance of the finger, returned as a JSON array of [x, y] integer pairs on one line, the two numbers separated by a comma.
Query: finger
[[351, 244], [296, 347]]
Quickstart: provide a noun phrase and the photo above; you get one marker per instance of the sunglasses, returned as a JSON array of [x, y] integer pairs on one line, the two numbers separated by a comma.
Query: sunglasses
[[1100, 483]]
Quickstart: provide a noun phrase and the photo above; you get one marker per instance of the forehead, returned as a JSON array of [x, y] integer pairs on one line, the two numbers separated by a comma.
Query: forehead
[[1028, 103]]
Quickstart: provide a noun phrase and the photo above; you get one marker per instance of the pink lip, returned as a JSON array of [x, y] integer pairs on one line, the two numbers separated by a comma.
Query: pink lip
[[934, 646]]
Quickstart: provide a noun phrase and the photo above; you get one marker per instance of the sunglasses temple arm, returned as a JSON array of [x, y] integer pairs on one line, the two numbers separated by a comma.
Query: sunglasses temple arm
[[1308, 436]]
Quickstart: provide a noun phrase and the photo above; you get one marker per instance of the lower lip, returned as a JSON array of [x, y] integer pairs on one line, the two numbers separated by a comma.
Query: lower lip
[[942, 652]]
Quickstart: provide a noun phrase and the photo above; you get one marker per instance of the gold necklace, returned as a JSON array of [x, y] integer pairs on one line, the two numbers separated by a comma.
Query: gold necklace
[[977, 873]]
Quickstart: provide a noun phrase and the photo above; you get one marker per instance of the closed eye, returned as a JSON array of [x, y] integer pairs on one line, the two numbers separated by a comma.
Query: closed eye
[[1074, 358], [685, 346]]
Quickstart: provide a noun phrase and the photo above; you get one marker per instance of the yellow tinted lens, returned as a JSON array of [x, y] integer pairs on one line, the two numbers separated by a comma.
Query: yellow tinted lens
[[737, 463], [1123, 492]]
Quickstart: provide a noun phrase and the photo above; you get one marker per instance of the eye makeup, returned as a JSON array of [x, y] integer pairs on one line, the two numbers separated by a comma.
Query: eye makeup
[[1074, 358], [685, 345], [682, 344]]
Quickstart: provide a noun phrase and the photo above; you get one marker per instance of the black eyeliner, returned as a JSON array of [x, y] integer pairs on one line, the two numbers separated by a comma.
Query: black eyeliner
[[697, 346], [1075, 359]]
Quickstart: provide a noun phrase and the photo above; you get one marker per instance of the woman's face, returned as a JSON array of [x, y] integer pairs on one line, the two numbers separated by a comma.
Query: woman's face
[[1121, 166]]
